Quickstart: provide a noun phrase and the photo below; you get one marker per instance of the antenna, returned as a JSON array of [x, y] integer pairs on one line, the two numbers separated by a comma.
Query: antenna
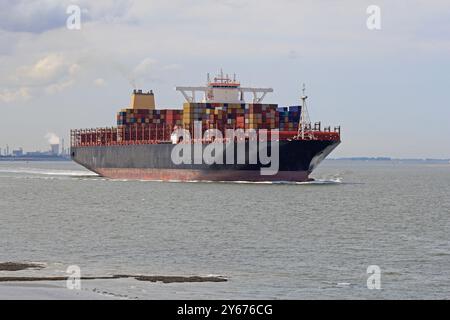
[[305, 122]]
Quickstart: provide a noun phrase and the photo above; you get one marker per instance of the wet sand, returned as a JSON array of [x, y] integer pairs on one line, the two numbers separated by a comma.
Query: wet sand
[[163, 279], [17, 266], [13, 286]]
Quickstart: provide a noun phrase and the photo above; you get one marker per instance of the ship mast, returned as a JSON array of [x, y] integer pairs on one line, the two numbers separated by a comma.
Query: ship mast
[[305, 122]]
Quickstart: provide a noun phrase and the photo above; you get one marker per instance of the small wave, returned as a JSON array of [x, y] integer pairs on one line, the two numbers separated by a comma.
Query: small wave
[[312, 182], [70, 173], [440, 254], [343, 284], [324, 181]]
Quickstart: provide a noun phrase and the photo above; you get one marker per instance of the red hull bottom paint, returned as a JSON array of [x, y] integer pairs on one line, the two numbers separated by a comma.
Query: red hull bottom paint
[[199, 175]]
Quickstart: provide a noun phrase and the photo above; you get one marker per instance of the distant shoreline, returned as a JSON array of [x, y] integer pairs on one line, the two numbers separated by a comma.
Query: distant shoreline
[[389, 159], [27, 159]]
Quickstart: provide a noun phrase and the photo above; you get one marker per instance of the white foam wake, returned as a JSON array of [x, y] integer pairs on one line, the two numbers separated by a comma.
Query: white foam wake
[[314, 182], [323, 181], [49, 172]]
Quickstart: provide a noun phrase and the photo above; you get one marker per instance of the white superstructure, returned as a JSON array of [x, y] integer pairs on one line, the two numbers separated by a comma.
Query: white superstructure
[[223, 89]]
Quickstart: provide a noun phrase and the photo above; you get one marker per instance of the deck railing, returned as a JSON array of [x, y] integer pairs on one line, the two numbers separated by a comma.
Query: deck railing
[[161, 133]]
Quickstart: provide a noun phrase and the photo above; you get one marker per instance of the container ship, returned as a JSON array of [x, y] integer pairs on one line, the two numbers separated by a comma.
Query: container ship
[[143, 144]]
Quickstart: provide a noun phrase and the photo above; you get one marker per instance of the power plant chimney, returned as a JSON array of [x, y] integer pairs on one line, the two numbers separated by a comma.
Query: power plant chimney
[[55, 149]]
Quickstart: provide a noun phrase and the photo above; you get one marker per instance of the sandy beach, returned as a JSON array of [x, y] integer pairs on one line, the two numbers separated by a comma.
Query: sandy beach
[[30, 281]]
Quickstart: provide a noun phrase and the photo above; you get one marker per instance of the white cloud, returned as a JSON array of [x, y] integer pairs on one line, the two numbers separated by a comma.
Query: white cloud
[[47, 68], [149, 70], [74, 69], [49, 74], [145, 67], [119, 35], [11, 95], [59, 86], [99, 82]]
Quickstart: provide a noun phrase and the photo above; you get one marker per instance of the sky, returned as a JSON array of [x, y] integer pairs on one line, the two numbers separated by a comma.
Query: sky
[[387, 88]]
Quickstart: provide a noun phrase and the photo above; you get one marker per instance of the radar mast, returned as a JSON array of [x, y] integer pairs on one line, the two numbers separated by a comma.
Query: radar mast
[[304, 127]]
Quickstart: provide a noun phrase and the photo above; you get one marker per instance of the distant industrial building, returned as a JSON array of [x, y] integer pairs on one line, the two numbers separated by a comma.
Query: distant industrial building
[[55, 152], [54, 149], [17, 153]]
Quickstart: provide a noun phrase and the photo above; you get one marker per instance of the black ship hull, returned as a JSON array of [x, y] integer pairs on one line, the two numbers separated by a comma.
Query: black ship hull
[[297, 159]]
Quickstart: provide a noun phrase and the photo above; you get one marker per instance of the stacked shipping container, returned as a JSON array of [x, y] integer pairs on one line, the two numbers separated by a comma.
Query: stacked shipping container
[[214, 115], [289, 118], [142, 116], [228, 115], [146, 124], [262, 116]]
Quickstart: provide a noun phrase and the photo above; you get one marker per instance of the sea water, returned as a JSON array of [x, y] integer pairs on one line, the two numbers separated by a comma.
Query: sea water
[[270, 240]]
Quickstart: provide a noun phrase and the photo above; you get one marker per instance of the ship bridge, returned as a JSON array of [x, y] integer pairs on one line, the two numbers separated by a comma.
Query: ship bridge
[[223, 89]]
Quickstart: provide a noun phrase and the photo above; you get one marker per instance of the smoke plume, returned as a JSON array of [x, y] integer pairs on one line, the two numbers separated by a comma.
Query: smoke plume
[[52, 138]]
